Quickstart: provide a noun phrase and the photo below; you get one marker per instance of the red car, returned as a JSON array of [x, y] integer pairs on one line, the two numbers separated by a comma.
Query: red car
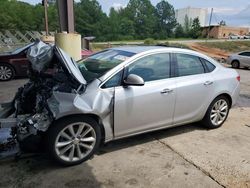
[[14, 64], [86, 53]]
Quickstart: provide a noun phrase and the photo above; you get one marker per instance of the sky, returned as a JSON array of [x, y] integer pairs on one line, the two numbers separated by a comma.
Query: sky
[[229, 10]]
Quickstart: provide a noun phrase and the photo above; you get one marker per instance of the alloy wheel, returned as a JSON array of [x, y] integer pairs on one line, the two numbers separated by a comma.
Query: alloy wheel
[[75, 142], [219, 112], [6, 73]]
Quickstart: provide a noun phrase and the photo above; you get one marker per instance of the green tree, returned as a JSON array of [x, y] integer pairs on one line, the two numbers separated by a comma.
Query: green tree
[[179, 32], [142, 13], [195, 31], [187, 25], [114, 24], [90, 19], [165, 18], [23, 16], [127, 29]]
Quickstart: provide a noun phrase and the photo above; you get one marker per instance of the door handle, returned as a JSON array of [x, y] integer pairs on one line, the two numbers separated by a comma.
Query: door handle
[[207, 83], [166, 91]]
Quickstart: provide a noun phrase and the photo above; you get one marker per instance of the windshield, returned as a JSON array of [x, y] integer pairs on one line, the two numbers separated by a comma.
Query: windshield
[[98, 64]]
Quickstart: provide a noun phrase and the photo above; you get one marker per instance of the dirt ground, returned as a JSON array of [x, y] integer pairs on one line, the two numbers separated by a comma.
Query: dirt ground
[[212, 52], [186, 156]]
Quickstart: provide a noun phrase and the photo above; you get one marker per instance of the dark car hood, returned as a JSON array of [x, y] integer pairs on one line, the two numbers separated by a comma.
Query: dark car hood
[[6, 54]]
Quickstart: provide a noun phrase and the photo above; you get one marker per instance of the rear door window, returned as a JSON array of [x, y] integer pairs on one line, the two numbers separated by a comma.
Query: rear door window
[[189, 65], [247, 54]]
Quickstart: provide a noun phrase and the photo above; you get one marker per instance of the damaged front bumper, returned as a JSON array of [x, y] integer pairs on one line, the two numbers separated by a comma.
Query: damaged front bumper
[[6, 110], [8, 123], [23, 125]]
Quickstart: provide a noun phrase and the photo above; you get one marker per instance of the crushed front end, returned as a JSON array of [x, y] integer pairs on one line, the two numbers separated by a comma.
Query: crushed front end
[[28, 115]]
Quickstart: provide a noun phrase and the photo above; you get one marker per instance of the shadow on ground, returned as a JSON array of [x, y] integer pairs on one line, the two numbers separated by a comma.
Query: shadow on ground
[[148, 137], [40, 171]]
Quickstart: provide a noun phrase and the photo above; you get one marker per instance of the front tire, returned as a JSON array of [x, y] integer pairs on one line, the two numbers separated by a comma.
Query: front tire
[[73, 140], [217, 113]]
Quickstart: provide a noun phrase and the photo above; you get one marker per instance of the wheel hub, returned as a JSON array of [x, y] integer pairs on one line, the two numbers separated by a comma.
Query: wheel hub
[[76, 141]]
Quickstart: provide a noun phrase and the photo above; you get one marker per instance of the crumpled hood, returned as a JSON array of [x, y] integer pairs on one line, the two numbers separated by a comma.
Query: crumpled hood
[[40, 55], [71, 65]]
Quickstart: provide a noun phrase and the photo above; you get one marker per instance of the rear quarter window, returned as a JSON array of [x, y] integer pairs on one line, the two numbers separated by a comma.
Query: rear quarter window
[[210, 67]]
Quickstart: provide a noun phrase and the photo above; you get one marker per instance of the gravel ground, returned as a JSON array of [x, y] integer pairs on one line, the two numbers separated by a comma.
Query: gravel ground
[[186, 156]]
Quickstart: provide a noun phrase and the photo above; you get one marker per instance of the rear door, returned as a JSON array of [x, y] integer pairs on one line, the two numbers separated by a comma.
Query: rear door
[[193, 88], [245, 59]]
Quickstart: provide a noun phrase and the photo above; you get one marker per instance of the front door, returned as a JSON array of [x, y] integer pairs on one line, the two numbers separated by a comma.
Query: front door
[[141, 108]]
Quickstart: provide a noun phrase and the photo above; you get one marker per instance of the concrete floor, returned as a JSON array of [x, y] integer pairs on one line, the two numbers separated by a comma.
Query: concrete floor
[[186, 156]]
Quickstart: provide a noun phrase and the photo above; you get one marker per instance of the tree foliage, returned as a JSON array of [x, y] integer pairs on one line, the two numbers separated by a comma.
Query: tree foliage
[[142, 14], [179, 32], [166, 19], [195, 31], [138, 20], [23, 16]]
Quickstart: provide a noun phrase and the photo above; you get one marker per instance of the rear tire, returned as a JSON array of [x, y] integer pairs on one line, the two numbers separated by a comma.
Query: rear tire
[[73, 140], [7, 72], [235, 64], [217, 113]]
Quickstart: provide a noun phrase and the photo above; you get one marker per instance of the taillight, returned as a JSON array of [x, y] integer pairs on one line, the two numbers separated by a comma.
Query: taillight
[[238, 78]]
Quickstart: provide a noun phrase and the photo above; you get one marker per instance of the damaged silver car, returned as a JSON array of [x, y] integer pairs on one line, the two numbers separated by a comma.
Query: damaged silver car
[[119, 92]]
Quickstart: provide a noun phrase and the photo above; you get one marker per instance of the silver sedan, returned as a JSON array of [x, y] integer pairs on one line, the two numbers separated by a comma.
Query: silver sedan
[[238, 60], [133, 90], [121, 92]]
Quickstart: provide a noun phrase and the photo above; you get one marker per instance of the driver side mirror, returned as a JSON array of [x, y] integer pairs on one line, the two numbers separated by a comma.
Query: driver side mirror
[[133, 80]]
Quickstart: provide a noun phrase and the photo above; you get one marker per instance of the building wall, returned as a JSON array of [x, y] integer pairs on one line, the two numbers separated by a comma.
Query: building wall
[[191, 13], [220, 32], [225, 31], [214, 32]]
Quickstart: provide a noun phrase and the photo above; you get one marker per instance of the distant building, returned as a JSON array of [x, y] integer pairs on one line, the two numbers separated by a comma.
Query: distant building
[[191, 14], [223, 32]]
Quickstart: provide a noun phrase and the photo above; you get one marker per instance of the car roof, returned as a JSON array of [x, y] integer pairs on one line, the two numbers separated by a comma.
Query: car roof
[[143, 49], [138, 49]]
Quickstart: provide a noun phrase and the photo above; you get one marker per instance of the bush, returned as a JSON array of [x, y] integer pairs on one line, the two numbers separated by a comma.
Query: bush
[[178, 45], [175, 45], [126, 37], [166, 43], [150, 41]]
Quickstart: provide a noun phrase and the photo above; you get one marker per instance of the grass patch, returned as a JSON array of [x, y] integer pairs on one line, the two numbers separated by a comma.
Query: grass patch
[[150, 42], [230, 46], [175, 45]]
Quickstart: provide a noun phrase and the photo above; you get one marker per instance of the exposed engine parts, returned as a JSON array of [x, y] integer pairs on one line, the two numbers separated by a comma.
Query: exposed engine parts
[[29, 114]]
